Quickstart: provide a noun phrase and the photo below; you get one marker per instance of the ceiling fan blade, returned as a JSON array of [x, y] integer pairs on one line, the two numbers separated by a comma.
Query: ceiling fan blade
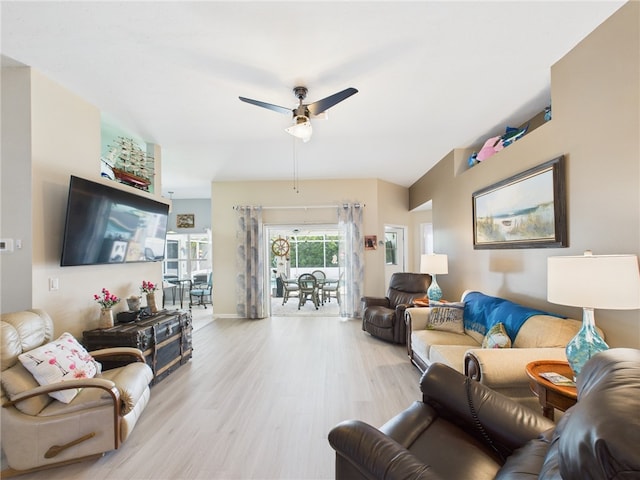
[[270, 106], [320, 106]]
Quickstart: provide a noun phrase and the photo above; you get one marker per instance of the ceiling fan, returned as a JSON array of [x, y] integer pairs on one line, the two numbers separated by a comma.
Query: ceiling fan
[[301, 127]]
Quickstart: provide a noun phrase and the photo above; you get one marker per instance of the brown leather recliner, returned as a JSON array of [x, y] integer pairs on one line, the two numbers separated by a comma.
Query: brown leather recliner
[[442, 438], [383, 317]]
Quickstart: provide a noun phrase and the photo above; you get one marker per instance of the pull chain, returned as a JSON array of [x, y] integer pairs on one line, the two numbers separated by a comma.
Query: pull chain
[[296, 183]]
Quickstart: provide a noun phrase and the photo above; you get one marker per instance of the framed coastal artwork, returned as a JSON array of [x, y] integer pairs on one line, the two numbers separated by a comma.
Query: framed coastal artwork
[[527, 210]]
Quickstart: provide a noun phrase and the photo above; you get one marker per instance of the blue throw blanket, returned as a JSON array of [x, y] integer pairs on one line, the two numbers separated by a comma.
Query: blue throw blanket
[[481, 312]]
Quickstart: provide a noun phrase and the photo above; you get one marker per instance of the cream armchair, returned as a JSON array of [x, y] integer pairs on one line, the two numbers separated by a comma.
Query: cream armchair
[[39, 431]]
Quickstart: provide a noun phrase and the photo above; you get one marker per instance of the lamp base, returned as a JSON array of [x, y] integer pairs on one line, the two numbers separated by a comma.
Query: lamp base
[[434, 292], [585, 344]]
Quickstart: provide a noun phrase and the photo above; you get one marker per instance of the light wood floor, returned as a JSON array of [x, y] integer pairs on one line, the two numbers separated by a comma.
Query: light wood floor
[[257, 402]]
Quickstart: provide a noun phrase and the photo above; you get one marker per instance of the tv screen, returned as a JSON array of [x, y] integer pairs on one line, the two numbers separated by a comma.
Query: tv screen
[[108, 225]]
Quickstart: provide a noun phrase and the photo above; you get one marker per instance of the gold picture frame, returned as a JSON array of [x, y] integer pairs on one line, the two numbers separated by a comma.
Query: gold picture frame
[[185, 220]]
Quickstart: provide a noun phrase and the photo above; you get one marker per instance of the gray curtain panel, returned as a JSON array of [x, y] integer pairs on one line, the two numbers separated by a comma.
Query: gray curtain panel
[[351, 252], [250, 280]]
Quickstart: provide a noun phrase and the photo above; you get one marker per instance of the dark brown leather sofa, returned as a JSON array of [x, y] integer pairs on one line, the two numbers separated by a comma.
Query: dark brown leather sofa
[[383, 317], [439, 438]]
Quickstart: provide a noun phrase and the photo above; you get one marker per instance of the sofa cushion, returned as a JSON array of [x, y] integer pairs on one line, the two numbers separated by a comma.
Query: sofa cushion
[[23, 331], [131, 380], [446, 317], [496, 337], [422, 342], [58, 361], [437, 337], [18, 379], [452, 355], [547, 331], [85, 399]]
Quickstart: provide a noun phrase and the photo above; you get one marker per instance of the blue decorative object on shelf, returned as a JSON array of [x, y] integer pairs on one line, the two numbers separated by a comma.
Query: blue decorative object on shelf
[[512, 134], [473, 159], [585, 344], [547, 113]]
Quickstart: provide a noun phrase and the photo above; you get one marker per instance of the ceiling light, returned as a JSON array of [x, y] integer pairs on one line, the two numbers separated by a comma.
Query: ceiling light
[[301, 128]]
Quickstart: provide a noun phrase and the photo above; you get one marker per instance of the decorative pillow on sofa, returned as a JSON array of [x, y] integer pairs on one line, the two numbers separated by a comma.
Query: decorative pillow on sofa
[[496, 337], [446, 317], [59, 361]]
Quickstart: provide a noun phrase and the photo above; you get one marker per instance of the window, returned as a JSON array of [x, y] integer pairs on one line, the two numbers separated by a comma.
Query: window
[[188, 255], [313, 251], [310, 251], [391, 248]]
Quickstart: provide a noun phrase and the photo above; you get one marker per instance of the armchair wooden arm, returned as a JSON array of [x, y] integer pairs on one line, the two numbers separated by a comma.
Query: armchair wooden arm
[[106, 353], [102, 383]]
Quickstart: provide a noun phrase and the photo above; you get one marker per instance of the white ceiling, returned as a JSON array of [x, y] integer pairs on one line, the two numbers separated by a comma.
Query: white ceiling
[[432, 76]]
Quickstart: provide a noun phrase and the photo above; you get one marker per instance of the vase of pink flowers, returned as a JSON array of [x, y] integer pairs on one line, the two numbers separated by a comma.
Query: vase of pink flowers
[[149, 288], [106, 300]]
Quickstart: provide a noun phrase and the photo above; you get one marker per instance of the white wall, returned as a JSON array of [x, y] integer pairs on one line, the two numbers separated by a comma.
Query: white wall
[[15, 194], [63, 138]]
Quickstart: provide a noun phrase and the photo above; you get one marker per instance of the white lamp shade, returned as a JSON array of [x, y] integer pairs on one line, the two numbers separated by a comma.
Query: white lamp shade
[[434, 263], [301, 129], [594, 281]]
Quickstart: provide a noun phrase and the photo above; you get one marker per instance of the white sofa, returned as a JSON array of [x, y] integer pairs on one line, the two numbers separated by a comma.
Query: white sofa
[[502, 369]]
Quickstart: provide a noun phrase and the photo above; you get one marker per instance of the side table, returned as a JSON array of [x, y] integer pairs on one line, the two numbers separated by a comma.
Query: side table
[[550, 395]]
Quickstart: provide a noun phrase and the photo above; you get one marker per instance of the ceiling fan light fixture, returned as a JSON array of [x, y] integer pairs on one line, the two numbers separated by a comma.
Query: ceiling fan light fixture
[[301, 128], [322, 115]]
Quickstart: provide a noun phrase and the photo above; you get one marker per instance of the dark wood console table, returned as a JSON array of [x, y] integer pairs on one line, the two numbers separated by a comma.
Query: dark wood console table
[[165, 339]]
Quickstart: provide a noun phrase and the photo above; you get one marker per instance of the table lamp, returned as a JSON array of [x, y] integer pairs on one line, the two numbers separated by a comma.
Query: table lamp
[[434, 264], [610, 282]]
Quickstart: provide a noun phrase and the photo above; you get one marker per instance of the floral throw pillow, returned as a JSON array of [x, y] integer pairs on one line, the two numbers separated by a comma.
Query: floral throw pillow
[[446, 317], [496, 337], [59, 361]]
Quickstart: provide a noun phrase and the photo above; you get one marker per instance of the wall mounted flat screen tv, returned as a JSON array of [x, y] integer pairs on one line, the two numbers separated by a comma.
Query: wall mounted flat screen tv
[[108, 225]]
